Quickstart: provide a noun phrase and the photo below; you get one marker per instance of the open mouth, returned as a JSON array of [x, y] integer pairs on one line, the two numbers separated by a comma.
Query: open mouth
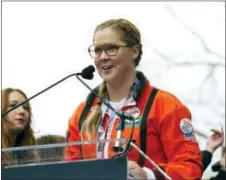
[[107, 67]]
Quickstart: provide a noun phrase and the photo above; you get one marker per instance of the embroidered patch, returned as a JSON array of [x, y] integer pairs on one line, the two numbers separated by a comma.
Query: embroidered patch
[[187, 128]]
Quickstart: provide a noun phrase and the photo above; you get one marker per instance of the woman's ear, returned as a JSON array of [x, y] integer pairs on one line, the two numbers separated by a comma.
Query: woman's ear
[[135, 52]]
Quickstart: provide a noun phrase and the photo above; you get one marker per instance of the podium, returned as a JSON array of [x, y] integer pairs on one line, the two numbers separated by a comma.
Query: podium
[[96, 169], [48, 162], [52, 166]]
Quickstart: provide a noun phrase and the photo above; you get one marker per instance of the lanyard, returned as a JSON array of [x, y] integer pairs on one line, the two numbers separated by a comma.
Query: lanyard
[[101, 134]]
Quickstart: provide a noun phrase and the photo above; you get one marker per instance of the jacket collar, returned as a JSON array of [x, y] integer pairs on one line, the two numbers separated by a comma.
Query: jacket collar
[[142, 82], [139, 88]]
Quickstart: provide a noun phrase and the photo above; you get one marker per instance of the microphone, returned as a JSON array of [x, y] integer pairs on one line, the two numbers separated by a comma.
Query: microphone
[[87, 73]]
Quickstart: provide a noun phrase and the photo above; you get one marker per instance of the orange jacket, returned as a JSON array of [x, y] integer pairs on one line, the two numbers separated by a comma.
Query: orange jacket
[[176, 152]]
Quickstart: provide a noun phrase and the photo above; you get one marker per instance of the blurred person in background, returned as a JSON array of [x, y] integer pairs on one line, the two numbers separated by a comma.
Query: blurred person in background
[[220, 167], [215, 140], [50, 154], [16, 127]]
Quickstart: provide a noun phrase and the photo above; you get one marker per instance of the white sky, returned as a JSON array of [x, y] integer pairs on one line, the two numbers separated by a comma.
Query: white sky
[[43, 42]]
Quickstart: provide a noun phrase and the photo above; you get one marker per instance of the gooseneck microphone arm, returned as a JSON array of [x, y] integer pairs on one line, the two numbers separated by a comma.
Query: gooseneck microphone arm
[[86, 73], [120, 114], [32, 97]]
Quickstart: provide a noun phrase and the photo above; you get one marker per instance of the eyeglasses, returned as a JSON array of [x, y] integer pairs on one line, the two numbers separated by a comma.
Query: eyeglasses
[[109, 49]]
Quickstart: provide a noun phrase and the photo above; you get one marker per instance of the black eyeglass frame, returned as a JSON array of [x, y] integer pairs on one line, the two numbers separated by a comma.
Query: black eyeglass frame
[[104, 49]]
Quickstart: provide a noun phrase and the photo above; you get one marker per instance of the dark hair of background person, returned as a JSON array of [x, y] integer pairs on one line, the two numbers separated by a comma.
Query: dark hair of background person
[[52, 153]]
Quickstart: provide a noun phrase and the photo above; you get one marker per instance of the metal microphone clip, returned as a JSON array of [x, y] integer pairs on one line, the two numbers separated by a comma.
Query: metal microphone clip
[[120, 129]]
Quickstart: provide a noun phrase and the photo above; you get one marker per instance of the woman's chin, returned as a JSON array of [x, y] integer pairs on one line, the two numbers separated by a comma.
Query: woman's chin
[[108, 80], [108, 77], [18, 128]]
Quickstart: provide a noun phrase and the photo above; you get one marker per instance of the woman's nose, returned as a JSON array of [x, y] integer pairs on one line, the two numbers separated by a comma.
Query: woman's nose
[[103, 55], [20, 110]]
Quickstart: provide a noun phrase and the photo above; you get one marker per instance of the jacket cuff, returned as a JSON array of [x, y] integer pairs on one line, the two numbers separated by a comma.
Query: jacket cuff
[[150, 174]]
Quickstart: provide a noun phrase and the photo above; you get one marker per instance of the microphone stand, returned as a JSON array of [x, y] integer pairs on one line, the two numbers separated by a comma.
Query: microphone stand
[[151, 161], [9, 110]]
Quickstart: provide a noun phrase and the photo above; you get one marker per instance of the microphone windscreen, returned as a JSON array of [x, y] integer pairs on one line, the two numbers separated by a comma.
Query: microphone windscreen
[[87, 73]]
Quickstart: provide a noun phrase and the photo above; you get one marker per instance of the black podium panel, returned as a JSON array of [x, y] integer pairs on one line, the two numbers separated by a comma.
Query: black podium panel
[[94, 169]]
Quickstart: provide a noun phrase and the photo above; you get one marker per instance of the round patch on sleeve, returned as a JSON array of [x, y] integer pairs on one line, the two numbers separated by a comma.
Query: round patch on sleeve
[[186, 127]]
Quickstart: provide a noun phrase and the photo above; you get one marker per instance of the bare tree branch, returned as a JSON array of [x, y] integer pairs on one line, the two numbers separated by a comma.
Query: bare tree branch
[[208, 85], [162, 55], [205, 46], [211, 64], [208, 76], [186, 63]]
